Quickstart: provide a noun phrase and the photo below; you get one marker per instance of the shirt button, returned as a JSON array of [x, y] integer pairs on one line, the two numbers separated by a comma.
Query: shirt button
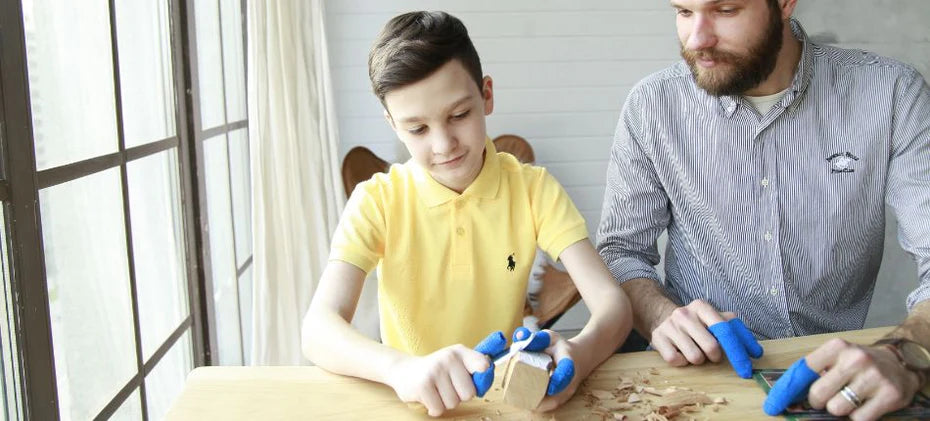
[[459, 204], [768, 236], [765, 182], [773, 291], [460, 231]]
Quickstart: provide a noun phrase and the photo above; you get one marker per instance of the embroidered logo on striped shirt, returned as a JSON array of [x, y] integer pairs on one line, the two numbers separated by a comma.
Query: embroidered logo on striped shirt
[[841, 162]]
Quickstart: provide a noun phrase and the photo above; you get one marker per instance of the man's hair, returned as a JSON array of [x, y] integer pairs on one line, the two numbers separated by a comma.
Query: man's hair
[[414, 45]]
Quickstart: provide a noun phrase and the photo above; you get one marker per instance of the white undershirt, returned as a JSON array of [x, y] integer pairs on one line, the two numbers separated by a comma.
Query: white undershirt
[[764, 103]]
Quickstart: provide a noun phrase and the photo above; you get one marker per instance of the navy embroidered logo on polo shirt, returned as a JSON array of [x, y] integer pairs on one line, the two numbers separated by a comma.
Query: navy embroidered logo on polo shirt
[[841, 162], [511, 264]]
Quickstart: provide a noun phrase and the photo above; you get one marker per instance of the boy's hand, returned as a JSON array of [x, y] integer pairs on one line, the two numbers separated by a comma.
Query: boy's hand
[[441, 380], [562, 381]]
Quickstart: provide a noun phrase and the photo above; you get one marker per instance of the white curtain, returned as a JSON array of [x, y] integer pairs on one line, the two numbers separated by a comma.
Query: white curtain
[[297, 190]]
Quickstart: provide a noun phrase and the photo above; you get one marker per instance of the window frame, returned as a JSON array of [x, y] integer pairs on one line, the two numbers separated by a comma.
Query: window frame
[[20, 184]]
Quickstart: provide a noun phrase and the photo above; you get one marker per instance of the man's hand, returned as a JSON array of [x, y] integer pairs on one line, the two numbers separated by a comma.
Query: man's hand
[[697, 332], [873, 375], [441, 380]]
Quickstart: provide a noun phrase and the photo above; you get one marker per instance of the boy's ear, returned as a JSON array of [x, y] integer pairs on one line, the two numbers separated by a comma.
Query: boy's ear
[[487, 94], [387, 116]]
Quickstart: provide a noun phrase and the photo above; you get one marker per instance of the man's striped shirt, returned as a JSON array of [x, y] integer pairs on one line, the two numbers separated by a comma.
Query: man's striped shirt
[[777, 217]]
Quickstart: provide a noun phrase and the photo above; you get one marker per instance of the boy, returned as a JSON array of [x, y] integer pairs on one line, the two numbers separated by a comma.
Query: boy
[[453, 232]]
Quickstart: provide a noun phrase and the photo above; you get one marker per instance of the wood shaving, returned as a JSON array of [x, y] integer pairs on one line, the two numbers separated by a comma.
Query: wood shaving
[[651, 403], [668, 412], [657, 392], [625, 385], [601, 411], [679, 398], [692, 408], [602, 394]]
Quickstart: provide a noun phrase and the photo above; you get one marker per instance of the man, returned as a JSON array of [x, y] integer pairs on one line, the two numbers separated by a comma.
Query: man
[[770, 160]]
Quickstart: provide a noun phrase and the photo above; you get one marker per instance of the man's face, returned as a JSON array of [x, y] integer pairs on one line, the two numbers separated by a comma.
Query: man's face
[[440, 120], [731, 46]]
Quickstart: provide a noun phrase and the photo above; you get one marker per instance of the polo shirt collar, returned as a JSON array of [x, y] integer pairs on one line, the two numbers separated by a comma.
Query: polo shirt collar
[[802, 75], [485, 185]]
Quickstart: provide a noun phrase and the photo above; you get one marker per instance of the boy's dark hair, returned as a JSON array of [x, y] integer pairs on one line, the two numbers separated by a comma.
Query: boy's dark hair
[[413, 45]]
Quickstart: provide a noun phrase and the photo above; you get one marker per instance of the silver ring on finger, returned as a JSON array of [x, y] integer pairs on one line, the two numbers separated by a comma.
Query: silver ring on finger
[[851, 396]]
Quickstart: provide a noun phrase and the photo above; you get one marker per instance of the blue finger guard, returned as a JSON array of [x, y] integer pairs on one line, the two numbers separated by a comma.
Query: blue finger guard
[[790, 387], [539, 342], [483, 381], [733, 347], [494, 344], [561, 376], [745, 336]]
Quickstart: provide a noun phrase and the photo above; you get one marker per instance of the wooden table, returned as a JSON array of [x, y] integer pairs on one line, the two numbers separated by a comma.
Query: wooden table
[[278, 393]]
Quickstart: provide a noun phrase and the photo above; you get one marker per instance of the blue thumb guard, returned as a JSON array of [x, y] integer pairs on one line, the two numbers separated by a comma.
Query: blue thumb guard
[[561, 376], [790, 387], [732, 346], [745, 337], [520, 334], [490, 346]]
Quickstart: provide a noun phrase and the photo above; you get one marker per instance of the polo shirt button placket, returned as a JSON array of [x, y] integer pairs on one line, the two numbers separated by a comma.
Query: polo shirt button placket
[[460, 231]]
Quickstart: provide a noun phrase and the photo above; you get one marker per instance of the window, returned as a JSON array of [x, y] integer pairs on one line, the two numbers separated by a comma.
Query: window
[[126, 251], [221, 129]]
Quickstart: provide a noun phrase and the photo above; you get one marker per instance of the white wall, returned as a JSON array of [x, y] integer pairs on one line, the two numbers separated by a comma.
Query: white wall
[[561, 72], [563, 69]]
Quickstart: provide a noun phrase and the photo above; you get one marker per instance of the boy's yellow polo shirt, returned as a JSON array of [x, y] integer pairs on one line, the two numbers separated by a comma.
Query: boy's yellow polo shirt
[[454, 268]]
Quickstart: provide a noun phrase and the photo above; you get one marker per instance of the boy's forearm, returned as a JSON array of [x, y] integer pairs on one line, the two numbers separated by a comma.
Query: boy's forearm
[[334, 345], [610, 324]]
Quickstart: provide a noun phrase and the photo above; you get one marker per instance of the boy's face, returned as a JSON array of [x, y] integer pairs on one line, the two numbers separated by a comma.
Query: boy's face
[[440, 120]]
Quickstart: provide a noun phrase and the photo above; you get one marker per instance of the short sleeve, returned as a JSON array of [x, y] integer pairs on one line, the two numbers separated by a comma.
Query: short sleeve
[[558, 222], [359, 237]]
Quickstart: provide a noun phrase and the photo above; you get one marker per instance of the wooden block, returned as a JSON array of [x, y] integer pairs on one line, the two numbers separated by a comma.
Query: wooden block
[[526, 379]]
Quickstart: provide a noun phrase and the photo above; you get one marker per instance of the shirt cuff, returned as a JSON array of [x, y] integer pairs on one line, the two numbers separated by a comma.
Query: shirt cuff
[[922, 293], [628, 268], [566, 238], [360, 261]]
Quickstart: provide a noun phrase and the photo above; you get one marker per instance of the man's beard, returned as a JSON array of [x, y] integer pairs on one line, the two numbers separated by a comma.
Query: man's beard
[[737, 73]]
